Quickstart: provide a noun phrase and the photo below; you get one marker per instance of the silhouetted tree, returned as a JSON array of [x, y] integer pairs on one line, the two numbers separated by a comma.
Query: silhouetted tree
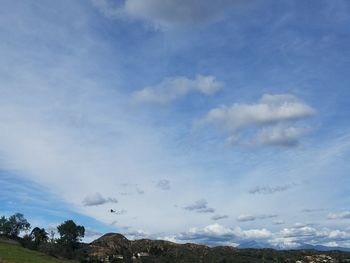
[[4, 226], [70, 234], [52, 236], [12, 226], [39, 236]]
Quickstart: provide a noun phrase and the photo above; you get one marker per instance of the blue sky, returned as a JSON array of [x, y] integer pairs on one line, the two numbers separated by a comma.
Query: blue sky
[[213, 122]]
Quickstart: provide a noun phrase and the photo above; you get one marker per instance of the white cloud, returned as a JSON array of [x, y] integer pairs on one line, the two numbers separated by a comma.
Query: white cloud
[[256, 233], [273, 117], [168, 14], [97, 199], [172, 88], [343, 215], [136, 234], [279, 135], [294, 236], [338, 234], [216, 234], [215, 229], [298, 231], [270, 109]]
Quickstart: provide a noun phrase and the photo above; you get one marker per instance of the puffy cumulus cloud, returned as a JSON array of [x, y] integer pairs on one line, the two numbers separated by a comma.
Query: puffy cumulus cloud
[[338, 235], [299, 232], [170, 89], [136, 233], [343, 215], [200, 206], [168, 14], [279, 135], [298, 235], [266, 190], [163, 184], [270, 109], [246, 218], [97, 199], [217, 234], [274, 119], [284, 243], [286, 238], [255, 233], [331, 244]]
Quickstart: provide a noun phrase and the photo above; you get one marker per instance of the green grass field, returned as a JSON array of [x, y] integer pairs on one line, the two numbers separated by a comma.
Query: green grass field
[[12, 253]]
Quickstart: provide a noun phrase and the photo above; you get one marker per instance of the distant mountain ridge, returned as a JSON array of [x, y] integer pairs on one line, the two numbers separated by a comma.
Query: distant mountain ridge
[[114, 247], [323, 248], [304, 246]]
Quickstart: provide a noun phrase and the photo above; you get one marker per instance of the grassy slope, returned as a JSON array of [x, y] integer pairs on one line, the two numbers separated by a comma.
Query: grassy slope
[[11, 253]]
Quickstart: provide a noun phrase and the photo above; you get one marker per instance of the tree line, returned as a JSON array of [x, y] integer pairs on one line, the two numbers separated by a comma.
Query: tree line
[[67, 245]]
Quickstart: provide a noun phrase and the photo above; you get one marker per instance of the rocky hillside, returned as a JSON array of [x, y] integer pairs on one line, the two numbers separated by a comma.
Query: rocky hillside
[[117, 248]]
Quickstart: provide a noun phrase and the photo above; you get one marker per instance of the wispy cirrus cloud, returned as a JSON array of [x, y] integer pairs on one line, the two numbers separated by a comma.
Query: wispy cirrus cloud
[[170, 89], [173, 88], [170, 14]]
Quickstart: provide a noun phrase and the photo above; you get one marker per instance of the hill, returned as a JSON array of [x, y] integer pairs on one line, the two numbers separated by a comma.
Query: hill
[[10, 252], [117, 248]]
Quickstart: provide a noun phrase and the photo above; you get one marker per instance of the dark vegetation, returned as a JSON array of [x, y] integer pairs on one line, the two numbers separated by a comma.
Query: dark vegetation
[[12, 252], [117, 248], [67, 246]]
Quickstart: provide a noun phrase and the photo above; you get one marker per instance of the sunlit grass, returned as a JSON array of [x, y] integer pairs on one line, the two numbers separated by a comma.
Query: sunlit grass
[[11, 253]]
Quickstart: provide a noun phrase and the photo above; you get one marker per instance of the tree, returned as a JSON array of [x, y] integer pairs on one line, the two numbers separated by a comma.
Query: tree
[[4, 226], [70, 234], [12, 226], [39, 236], [52, 236]]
